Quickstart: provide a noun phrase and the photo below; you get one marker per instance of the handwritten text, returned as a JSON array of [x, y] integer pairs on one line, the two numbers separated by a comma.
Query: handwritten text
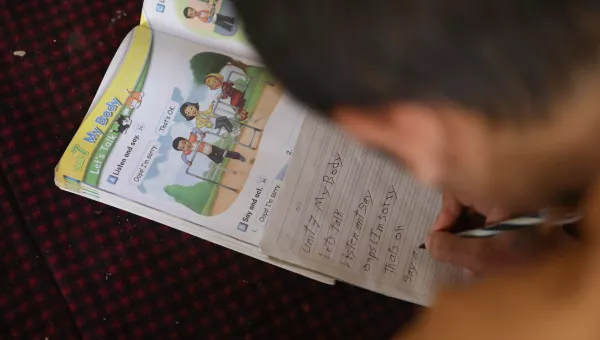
[[349, 254], [377, 232], [328, 181]]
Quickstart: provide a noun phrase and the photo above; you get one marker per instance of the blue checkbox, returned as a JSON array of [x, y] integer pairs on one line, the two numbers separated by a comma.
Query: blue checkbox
[[242, 227]]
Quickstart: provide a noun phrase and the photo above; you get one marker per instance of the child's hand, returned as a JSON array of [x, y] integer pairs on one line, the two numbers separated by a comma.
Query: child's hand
[[478, 256], [189, 163]]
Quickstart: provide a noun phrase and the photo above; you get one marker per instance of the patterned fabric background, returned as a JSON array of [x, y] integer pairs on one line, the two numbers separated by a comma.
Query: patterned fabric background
[[73, 268]]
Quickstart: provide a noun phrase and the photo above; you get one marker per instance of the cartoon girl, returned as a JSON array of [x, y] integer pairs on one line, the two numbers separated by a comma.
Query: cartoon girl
[[214, 81]]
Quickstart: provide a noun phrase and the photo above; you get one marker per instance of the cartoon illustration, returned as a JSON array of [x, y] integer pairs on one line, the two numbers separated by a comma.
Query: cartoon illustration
[[213, 152], [216, 81], [134, 100], [226, 106], [205, 118], [124, 124], [210, 16], [205, 63]]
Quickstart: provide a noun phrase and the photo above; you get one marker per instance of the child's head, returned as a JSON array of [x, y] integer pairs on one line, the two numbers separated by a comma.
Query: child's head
[[182, 144], [480, 98], [189, 12], [214, 81], [189, 110]]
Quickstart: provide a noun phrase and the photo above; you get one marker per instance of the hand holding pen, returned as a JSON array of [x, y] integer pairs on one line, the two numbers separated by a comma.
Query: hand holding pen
[[468, 217], [460, 238]]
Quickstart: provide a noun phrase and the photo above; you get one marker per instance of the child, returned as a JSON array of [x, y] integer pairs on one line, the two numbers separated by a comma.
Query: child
[[203, 118], [223, 21], [215, 153], [215, 81]]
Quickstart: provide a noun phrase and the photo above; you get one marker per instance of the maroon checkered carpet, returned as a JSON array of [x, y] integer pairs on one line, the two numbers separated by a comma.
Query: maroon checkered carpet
[[73, 268]]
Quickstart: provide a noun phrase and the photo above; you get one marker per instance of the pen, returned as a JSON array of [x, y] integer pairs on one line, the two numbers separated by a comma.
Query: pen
[[506, 225]]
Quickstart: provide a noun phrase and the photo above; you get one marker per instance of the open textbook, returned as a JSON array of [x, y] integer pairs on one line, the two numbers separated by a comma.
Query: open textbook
[[189, 130]]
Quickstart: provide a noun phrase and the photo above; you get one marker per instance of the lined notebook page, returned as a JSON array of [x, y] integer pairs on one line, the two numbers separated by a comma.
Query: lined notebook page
[[349, 212]]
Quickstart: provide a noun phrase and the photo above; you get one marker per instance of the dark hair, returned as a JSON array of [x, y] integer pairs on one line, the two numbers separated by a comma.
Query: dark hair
[[176, 143], [121, 119], [495, 57], [122, 127], [185, 10], [185, 106]]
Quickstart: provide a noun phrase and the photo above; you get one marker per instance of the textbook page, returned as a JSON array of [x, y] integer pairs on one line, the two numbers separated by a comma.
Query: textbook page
[[186, 131], [213, 23], [349, 212]]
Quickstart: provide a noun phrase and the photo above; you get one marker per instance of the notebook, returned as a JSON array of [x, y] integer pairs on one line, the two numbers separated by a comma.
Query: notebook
[[189, 129]]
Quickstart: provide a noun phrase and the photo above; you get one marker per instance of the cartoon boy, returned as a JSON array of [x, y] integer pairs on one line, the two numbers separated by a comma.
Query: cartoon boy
[[204, 118], [214, 81], [223, 21], [215, 153]]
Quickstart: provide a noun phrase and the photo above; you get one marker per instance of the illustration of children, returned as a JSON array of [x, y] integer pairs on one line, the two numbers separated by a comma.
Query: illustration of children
[[204, 118], [215, 153], [214, 81], [210, 16]]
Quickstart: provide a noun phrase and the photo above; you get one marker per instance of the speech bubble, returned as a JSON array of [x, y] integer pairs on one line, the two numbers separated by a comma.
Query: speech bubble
[[145, 163], [270, 200], [167, 118]]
